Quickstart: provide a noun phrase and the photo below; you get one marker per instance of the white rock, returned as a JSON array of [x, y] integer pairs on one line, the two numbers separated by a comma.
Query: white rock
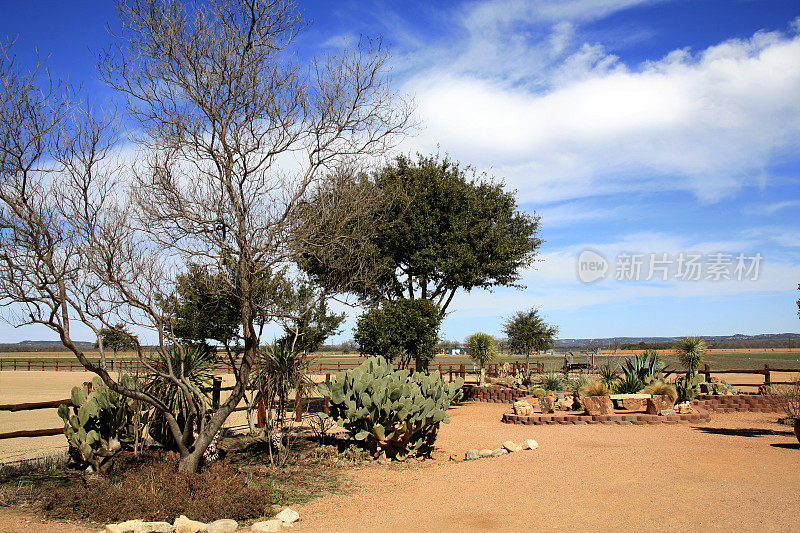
[[498, 452], [185, 525], [529, 444], [267, 526], [154, 527], [510, 446], [129, 525], [471, 455], [486, 452], [288, 516], [113, 528], [226, 525]]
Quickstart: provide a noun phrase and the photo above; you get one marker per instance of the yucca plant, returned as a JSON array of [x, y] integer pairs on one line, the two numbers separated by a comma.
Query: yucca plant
[[278, 369], [659, 388], [197, 364], [576, 384], [630, 384], [595, 387], [608, 375], [691, 351], [551, 382]]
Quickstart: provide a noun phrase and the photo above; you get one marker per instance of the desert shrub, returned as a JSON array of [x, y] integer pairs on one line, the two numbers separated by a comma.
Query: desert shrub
[[100, 424], [608, 375], [686, 387], [659, 388], [155, 490], [551, 382], [789, 397], [643, 366], [392, 412], [576, 384], [539, 392], [595, 387], [630, 384], [197, 361]]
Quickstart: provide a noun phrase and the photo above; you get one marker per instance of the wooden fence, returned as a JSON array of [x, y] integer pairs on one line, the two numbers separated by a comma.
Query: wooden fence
[[451, 371]]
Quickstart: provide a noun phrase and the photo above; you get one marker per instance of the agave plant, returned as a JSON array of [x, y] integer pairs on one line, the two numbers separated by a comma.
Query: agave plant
[[551, 382], [197, 364], [643, 366], [690, 352], [630, 384], [608, 375], [576, 384]]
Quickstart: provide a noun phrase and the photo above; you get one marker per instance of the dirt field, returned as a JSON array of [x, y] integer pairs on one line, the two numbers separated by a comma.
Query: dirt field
[[740, 472]]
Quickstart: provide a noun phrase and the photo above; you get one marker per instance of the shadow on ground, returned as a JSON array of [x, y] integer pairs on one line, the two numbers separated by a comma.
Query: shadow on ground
[[743, 432], [787, 445]]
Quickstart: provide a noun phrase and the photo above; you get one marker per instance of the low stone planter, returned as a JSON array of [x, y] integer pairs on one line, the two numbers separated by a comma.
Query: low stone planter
[[659, 403], [598, 405]]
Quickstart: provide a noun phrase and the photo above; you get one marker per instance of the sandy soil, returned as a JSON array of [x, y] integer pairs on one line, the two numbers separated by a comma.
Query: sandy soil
[[740, 472]]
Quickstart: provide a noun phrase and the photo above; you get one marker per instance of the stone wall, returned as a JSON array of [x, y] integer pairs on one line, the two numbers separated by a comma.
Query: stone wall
[[757, 403]]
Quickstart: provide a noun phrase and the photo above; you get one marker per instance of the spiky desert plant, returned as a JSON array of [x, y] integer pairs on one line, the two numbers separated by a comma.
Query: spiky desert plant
[[608, 375], [643, 365], [197, 363], [659, 388], [630, 384], [552, 382], [595, 387], [576, 384], [691, 351], [539, 392], [482, 350]]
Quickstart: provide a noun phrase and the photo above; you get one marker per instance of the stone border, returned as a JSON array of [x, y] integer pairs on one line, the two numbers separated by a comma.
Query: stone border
[[486, 394], [702, 415], [739, 403]]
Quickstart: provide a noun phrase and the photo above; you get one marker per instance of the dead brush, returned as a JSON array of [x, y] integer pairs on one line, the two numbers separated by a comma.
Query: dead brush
[[659, 388], [595, 388], [789, 397]]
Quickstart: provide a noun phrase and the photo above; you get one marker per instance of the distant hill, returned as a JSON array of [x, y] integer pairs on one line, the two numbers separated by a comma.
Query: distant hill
[[51, 343], [764, 340]]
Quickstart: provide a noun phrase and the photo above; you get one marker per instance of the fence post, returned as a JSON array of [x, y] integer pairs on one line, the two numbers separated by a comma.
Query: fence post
[[767, 379], [327, 377], [298, 403], [707, 372], [338, 366], [463, 373], [215, 392], [327, 405]]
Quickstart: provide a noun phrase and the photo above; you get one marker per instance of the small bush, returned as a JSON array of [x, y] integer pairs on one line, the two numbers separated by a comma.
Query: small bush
[[576, 384], [659, 388], [551, 382], [595, 387], [539, 392], [686, 387], [789, 397], [608, 375]]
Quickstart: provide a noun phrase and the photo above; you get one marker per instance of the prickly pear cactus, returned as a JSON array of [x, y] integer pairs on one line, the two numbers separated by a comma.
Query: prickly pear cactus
[[392, 412], [100, 424]]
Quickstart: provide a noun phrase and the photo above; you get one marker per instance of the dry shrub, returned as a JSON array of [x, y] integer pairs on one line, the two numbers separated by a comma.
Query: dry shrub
[[595, 388], [659, 388], [157, 491], [789, 397]]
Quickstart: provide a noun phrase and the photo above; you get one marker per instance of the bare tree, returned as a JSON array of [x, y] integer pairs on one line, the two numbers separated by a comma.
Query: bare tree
[[235, 133]]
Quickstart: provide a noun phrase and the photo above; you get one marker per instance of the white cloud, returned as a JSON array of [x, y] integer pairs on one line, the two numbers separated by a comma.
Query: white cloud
[[587, 124]]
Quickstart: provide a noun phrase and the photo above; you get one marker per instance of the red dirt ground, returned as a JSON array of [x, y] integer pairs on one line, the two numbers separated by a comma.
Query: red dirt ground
[[740, 472]]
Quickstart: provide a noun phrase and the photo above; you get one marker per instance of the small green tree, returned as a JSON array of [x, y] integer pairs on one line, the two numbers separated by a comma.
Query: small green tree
[[117, 339], [400, 329], [690, 352], [482, 350], [311, 324], [527, 332]]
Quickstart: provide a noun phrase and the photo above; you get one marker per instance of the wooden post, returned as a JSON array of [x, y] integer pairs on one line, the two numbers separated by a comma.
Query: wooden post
[[707, 372], [327, 405], [767, 380], [463, 371], [327, 378], [298, 403], [215, 392]]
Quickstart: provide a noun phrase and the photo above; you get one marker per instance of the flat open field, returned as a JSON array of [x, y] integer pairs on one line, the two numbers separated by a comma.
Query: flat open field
[[738, 472]]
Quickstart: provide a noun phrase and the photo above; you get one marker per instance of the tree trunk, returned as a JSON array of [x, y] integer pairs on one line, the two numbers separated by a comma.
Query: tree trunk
[[483, 377], [191, 462]]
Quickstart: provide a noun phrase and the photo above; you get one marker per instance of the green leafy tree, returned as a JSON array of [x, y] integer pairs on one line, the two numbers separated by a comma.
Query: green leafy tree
[[203, 309], [482, 351], [438, 230], [400, 330], [691, 351], [307, 330], [117, 339], [527, 332]]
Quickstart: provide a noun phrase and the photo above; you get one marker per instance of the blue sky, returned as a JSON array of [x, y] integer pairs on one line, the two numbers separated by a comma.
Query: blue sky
[[631, 126]]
